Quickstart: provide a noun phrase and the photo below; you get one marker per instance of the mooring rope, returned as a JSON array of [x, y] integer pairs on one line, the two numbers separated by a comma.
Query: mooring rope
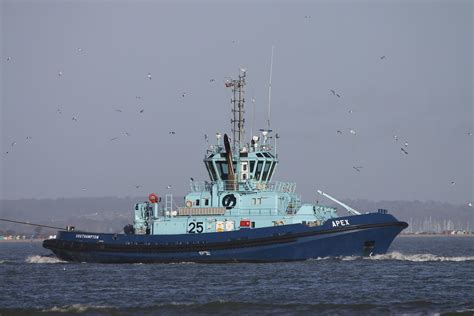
[[26, 223]]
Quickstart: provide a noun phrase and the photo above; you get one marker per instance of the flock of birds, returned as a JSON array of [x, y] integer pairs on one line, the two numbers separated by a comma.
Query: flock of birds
[[337, 94], [353, 131], [403, 147], [75, 117]]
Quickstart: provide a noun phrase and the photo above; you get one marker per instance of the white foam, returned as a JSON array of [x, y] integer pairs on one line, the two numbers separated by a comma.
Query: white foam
[[395, 255], [43, 259], [75, 308], [422, 257]]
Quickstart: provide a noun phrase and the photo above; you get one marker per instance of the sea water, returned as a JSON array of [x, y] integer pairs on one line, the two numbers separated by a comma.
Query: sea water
[[419, 275]]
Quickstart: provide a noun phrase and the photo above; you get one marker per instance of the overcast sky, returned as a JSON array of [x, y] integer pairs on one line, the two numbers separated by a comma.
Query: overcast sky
[[90, 61]]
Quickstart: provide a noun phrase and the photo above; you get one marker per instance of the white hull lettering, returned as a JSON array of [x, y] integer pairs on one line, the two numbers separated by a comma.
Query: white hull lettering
[[86, 236], [342, 222]]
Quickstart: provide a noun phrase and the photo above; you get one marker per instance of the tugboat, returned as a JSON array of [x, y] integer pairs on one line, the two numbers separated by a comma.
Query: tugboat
[[239, 215]]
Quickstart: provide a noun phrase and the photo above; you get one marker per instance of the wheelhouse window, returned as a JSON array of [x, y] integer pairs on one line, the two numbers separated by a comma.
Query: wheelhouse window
[[265, 170], [270, 175], [252, 166], [223, 169], [211, 170], [259, 170]]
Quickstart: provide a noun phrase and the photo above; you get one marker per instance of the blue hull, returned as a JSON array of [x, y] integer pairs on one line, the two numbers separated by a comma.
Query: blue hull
[[361, 235]]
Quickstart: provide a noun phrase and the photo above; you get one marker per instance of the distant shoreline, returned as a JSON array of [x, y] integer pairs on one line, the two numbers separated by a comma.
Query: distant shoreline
[[20, 240]]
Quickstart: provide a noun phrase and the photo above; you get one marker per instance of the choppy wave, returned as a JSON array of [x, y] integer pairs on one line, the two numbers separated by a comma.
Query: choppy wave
[[77, 308], [422, 257], [218, 306], [229, 307], [43, 259]]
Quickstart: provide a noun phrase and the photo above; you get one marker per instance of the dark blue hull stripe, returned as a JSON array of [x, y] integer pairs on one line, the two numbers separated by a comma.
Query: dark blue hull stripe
[[74, 246]]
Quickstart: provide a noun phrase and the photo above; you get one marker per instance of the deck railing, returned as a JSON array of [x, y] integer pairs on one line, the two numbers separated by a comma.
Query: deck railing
[[250, 185]]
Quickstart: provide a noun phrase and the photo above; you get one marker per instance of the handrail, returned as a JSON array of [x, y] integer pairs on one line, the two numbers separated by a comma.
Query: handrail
[[249, 185]]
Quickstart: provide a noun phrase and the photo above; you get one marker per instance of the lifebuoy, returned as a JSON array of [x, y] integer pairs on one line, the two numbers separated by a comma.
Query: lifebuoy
[[189, 203], [229, 201], [153, 198]]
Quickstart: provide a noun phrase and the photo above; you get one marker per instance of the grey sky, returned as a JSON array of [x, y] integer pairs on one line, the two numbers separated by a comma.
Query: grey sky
[[421, 91]]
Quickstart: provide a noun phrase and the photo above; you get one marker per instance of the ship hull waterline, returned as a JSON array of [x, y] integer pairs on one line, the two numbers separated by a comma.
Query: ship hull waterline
[[273, 244]]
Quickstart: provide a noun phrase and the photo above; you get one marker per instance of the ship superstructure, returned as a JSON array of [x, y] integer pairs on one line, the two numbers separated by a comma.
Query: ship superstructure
[[240, 192]]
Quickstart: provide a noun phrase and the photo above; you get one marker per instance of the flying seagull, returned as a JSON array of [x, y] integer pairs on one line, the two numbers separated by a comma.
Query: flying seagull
[[168, 186], [183, 94], [382, 57], [353, 132], [453, 183], [403, 149], [149, 75], [13, 144], [141, 111], [118, 110], [357, 168], [339, 131], [74, 118], [337, 95], [171, 132], [60, 73], [126, 133], [333, 92], [469, 204]]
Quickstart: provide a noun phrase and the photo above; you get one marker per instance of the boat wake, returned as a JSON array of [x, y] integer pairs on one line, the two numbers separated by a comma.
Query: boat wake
[[43, 259], [398, 256], [423, 257]]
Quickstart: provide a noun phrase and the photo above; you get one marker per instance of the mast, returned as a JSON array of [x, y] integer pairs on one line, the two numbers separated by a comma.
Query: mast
[[238, 111], [270, 89]]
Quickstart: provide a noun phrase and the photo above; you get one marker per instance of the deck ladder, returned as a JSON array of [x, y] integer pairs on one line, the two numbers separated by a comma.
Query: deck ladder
[[168, 203]]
